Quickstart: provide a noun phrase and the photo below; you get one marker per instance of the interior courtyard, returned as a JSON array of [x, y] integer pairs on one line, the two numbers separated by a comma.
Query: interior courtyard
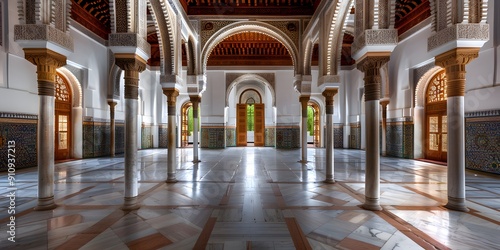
[[249, 124]]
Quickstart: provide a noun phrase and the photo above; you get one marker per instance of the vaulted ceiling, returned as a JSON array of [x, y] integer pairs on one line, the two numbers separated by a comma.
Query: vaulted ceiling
[[247, 48]]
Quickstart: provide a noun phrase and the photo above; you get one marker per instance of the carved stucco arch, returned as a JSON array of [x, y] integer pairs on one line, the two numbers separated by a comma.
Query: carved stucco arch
[[422, 85], [166, 42], [114, 82], [74, 85], [336, 36], [250, 77], [250, 26], [308, 51]]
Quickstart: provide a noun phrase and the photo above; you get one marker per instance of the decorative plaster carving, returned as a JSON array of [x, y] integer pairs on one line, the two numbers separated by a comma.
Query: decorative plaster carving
[[208, 28], [284, 26], [375, 37], [470, 31], [42, 32], [129, 40]]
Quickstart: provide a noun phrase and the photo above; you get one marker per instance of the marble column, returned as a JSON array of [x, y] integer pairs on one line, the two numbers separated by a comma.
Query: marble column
[[132, 65], [195, 100], [454, 62], [303, 102], [384, 104], [370, 65], [112, 145], [46, 61], [329, 94], [172, 149]]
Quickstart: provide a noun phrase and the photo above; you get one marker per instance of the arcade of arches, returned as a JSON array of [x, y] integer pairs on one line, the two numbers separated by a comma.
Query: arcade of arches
[[200, 124]]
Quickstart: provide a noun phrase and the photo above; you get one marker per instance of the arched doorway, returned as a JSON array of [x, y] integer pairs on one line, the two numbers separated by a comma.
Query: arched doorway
[[313, 123], [436, 137], [186, 123], [62, 123], [250, 119]]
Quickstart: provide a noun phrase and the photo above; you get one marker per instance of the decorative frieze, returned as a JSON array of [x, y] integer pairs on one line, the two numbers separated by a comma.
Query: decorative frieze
[[462, 31], [129, 40], [42, 32]]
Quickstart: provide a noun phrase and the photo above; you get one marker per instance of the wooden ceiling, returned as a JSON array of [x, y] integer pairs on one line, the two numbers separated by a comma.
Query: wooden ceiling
[[247, 48]]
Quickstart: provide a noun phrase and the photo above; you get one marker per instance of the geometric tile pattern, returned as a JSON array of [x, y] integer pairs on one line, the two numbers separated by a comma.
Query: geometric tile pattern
[[119, 138], [96, 139], [355, 140], [399, 139], [482, 144], [146, 137], [23, 133], [252, 198], [212, 137], [338, 136], [230, 137], [287, 137], [163, 136], [270, 137]]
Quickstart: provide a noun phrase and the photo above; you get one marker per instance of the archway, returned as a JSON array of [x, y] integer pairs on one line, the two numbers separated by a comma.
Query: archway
[[62, 115], [250, 119], [186, 120], [313, 123], [436, 127]]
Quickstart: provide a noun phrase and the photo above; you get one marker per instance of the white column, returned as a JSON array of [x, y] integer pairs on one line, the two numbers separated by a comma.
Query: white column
[[454, 62], [132, 66], [372, 176], [303, 101], [196, 101], [371, 65], [172, 123], [45, 154], [329, 94], [131, 178], [47, 62]]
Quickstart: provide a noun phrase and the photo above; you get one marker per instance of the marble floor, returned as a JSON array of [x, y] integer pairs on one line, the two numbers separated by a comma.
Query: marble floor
[[251, 198]]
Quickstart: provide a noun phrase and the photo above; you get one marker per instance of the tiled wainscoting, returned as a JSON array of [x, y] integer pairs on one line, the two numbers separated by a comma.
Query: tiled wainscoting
[[338, 135], [355, 137], [230, 136], [270, 136], [21, 129], [482, 141], [399, 137], [146, 136], [288, 136], [212, 136], [97, 135], [163, 136]]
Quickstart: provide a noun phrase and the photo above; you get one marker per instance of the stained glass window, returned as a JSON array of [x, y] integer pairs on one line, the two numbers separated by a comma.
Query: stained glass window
[[62, 91], [436, 91]]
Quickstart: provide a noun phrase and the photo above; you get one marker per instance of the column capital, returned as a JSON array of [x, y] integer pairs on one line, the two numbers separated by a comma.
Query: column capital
[[457, 56], [171, 96], [329, 94], [304, 98], [112, 104], [46, 61], [454, 62], [372, 61], [130, 62], [384, 103], [195, 98]]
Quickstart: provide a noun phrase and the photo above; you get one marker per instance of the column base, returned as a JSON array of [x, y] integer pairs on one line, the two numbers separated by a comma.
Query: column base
[[196, 161], [329, 181], [303, 161], [45, 204], [171, 178], [457, 204], [130, 203], [371, 204]]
